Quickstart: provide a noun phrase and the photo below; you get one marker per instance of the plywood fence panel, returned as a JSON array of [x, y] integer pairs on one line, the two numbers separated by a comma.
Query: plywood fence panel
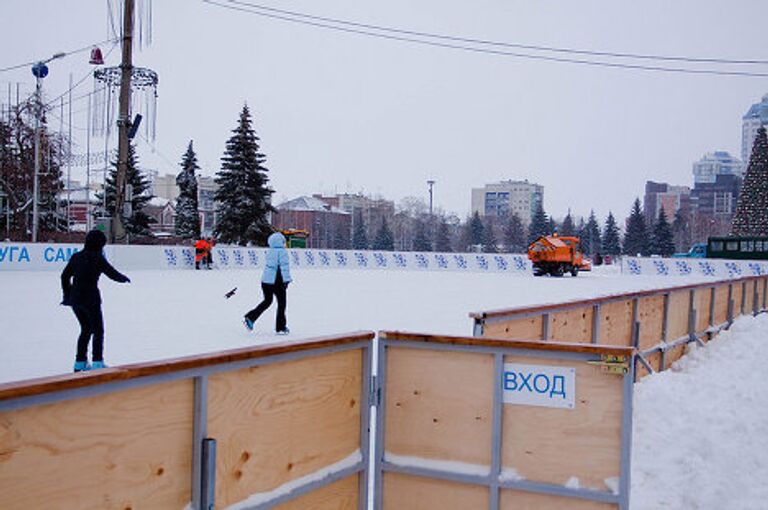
[[402, 492], [616, 323], [761, 294], [677, 323], [749, 305], [673, 355], [439, 404], [721, 304], [341, 495], [127, 449], [276, 423], [573, 325], [529, 328], [518, 500], [552, 445], [701, 301], [737, 299], [653, 359], [650, 314]]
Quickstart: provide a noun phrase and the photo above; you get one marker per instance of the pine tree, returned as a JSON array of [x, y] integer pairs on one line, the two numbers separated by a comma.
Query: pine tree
[[384, 239], [359, 235], [443, 237], [751, 217], [490, 245], [244, 199], [568, 228], [662, 242], [611, 238], [421, 240], [636, 238], [514, 234], [539, 225], [590, 236], [137, 222], [187, 221], [476, 230]]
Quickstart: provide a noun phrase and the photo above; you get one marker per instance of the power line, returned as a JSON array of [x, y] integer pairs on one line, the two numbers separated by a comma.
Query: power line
[[63, 54], [81, 80], [498, 43], [489, 51]]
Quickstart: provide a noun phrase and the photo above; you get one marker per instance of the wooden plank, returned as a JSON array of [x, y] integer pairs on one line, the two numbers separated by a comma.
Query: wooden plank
[[504, 343], [721, 304], [276, 423], [677, 324], [124, 450], [518, 500], [72, 381], [341, 495], [653, 359], [616, 323], [701, 302], [574, 325], [736, 299], [673, 355], [552, 445], [439, 404], [402, 492], [527, 327], [650, 311]]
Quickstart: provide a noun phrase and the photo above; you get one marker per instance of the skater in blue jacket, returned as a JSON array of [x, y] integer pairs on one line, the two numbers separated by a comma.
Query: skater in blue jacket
[[274, 282]]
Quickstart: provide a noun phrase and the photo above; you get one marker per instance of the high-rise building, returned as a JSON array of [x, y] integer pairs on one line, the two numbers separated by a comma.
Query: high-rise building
[[716, 163], [660, 195], [506, 197], [756, 116]]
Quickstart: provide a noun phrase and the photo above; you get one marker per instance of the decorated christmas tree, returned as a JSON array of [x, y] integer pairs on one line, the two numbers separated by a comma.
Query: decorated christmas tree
[[752, 210]]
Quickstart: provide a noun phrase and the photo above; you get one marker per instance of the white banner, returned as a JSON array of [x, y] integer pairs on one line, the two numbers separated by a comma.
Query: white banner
[[539, 385], [717, 268]]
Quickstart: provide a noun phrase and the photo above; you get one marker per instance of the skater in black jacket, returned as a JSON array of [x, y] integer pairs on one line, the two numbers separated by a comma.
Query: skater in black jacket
[[79, 282]]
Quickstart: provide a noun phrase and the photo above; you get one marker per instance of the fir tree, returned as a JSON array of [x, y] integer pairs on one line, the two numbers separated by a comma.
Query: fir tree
[[244, 199], [568, 228], [384, 239], [751, 217], [539, 225], [514, 234], [490, 245], [421, 240], [590, 236], [476, 230], [137, 222], [636, 238], [662, 242], [187, 221], [443, 237], [359, 235], [611, 238]]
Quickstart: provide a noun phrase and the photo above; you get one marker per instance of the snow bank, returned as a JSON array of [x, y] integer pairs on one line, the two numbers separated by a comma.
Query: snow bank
[[460, 468]]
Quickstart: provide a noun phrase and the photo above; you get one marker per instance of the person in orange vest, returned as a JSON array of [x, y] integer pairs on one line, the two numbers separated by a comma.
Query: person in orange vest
[[201, 252]]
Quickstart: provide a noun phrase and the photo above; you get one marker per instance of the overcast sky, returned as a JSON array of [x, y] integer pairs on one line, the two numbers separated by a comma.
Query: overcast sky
[[339, 112]]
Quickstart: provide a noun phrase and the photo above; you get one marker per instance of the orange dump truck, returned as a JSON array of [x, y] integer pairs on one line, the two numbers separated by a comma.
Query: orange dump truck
[[557, 255]]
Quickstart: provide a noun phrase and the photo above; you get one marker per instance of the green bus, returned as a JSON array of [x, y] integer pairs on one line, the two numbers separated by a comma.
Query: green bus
[[738, 247]]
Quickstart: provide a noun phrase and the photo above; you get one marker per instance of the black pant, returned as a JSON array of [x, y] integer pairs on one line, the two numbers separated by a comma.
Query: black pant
[[91, 324], [269, 289]]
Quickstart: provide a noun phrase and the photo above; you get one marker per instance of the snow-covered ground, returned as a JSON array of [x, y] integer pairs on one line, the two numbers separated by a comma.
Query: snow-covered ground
[[701, 429]]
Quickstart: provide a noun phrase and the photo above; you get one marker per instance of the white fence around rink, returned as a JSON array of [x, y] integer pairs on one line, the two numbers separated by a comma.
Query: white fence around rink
[[717, 268], [52, 257]]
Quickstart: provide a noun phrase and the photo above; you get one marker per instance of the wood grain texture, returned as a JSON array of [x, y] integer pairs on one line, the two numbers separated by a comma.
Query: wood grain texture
[[721, 304], [279, 422], [654, 360], [701, 301], [402, 492], [341, 495], [650, 314], [552, 445], [523, 328], [673, 355], [518, 500], [439, 404], [126, 450], [573, 325], [616, 323], [737, 298], [677, 325]]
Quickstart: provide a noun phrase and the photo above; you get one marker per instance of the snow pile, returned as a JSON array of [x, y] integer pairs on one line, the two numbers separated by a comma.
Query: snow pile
[[461, 468], [701, 428]]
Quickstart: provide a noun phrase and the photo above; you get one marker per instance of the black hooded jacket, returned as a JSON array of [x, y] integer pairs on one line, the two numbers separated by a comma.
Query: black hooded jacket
[[80, 279]]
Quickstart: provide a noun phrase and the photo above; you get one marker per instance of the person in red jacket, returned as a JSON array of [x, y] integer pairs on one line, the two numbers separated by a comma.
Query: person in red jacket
[[202, 248]]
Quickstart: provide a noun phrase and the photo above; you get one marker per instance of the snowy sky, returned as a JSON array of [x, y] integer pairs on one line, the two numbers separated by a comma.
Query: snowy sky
[[341, 112]]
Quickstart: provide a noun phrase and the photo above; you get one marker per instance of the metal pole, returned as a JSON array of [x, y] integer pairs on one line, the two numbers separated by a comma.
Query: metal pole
[[88, 169], [69, 161], [118, 230], [430, 183], [35, 191]]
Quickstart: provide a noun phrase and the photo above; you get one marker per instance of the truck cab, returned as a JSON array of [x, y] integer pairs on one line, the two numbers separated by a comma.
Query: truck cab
[[697, 251]]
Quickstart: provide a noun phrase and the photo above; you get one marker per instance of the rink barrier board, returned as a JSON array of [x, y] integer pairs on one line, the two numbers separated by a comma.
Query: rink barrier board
[[659, 323], [167, 433], [441, 406]]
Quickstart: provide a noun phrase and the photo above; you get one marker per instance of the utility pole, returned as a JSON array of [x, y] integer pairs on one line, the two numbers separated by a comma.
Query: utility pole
[[430, 183], [118, 229]]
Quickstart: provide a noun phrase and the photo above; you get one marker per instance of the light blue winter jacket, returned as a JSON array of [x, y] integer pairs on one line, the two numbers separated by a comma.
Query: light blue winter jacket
[[277, 256]]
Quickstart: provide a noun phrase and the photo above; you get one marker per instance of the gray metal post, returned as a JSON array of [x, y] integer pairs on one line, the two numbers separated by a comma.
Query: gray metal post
[[626, 439], [35, 183], [545, 326], [743, 297], [381, 375], [365, 427], [199, 431], [755, 302], [712, 307], [477, 329], [692, 316], [596, 323], [765, 293], [730, 305], [208, 493], [497, 428]]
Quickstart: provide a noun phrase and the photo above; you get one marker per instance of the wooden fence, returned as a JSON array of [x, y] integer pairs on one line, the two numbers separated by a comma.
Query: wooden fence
[[658, 323], [501, 424], [282, 426]]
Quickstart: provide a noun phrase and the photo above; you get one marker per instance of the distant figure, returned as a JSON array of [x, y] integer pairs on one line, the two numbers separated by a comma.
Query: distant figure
[[209, 252], [79, 283], [202, 253], [598, 259], [274, 281]]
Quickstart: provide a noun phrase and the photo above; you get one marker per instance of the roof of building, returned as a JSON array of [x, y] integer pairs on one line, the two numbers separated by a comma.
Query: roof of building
[[306, 203], [758, 110]]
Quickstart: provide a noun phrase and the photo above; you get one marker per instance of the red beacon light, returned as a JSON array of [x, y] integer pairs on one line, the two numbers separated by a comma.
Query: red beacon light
[[96, 57]]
